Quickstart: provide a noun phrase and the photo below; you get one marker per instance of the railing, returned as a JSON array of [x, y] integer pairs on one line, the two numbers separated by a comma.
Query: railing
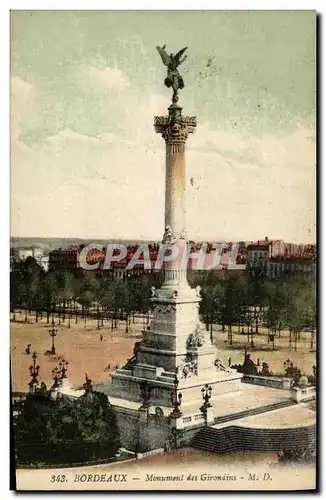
[[274, 382], [192, 420]]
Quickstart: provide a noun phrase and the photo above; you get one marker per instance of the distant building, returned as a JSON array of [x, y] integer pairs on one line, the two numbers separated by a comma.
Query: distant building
[[277, 258], [69, 258], [44, 262], [21, 254], [258, 254], [291, 266], [276, 248], [65, 258]]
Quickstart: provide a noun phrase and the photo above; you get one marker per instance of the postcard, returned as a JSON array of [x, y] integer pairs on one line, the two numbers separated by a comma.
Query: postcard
[[163, 250]]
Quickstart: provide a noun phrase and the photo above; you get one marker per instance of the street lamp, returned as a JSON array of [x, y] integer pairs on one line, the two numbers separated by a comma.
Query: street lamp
[[145, 394], [53, 332], [287, 364], [33, 371], [206, 395], [88, 384], [63, 367], [176, 399], [56, 377]]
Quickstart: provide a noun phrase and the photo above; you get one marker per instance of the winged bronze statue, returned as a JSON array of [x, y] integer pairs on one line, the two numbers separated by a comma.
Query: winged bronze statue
[[173, 78]]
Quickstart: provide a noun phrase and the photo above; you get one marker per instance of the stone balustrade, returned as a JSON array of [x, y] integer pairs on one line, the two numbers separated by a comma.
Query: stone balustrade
[[299, 394], [273, 382]]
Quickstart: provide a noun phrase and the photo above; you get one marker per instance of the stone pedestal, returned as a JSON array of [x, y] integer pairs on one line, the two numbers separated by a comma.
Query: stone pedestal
[[300, 394], [175, 344]]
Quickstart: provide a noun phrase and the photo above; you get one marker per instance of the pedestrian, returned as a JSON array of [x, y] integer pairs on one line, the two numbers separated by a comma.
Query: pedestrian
[[101, 337], [230, 361], [258, 362]]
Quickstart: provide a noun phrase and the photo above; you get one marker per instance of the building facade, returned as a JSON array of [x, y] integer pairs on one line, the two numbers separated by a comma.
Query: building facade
[[274, 259]]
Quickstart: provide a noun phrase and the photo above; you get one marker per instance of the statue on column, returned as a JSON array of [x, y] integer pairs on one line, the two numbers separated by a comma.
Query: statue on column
[[173, 79], [172, 237]]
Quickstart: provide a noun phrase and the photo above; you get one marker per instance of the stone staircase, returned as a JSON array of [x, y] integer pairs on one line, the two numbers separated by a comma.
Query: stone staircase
[[254, 411], [235, 438]]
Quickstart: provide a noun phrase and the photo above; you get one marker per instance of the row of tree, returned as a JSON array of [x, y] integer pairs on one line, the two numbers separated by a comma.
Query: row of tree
[[74, 292], [232, 301], [252, 302]]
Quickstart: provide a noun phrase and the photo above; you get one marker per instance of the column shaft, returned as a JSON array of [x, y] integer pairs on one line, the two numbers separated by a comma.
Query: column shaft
[[175, 187]]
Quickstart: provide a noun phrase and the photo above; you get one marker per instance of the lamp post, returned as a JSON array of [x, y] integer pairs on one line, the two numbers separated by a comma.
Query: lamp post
[[63, 367], [206, 395], [33, 371], [176, 399], [286, 364], [53, 332], [87, 386], [145, 395], [56, 377]]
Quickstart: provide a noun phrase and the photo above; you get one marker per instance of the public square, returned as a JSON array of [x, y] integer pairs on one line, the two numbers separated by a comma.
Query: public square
[[86, 353]]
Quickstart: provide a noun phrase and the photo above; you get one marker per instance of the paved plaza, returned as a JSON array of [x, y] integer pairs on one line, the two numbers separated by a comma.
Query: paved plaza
[[84, 351]]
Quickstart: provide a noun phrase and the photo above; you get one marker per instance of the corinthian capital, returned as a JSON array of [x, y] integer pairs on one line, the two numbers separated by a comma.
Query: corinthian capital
[[175, 130]]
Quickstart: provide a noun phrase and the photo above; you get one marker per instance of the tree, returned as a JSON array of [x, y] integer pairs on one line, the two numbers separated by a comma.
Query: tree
[[26, 279], [122, 300], [211, 304], [50, 292], [65, 430], [107, 297], [311, 311], [277, 302], [140, 294], [235, 303], [66, 287], [296, 310], [89, 292]]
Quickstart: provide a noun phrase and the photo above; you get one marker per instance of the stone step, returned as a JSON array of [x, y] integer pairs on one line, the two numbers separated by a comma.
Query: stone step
[[253, 411], [233, 438]]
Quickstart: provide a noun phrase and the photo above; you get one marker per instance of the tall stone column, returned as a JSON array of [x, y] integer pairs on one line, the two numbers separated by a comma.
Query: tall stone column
[[174, 345], [175, 129]]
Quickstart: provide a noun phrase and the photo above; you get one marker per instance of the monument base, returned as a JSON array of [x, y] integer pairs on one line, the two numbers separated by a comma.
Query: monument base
[[127, 386]]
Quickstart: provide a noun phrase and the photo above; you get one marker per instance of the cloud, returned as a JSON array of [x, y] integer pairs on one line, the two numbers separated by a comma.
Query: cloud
[[68, 136], [107, 78], [110, 185], [22, 94], [274, 192], [72, 184]]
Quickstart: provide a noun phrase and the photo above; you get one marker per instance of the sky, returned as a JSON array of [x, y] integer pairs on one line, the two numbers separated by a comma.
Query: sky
[[85, 159]]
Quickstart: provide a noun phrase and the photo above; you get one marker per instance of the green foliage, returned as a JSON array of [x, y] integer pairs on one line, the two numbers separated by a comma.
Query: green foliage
[[228, 300], [65, 430], [233, 300]]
